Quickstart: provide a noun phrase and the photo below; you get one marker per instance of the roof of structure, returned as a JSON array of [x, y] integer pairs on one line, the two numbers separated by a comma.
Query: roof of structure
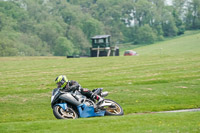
[[100, 36]]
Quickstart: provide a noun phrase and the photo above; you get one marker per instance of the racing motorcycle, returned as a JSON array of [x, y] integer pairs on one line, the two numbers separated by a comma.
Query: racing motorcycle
[[72, 105]]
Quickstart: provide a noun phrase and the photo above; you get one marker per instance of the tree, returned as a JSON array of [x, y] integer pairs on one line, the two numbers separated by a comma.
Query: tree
[[169, 28], [193, 15], [63, 47], [144, 12], [78, 38], [7, 48], [178, 14], [91, 27], [33, 42], [168, 22], [1, 21], [49, 32], [145, 35]]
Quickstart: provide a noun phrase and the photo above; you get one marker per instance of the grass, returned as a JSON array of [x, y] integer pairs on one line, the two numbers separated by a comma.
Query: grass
[[165, 123], [180, 45], [171, 45], [153, 81]]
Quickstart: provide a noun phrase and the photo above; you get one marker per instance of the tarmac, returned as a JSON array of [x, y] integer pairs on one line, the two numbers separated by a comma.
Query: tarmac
[[172, 111]]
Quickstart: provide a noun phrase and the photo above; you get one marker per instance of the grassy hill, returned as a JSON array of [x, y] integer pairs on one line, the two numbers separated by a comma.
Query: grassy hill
[[186, 43], [182, 45], [165, 76]]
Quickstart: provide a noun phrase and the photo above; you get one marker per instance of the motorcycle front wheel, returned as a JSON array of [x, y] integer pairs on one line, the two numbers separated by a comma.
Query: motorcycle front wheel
[[115, 109], [60, 113]]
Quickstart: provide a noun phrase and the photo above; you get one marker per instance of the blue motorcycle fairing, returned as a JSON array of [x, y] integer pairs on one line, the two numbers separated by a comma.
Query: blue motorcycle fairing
[[63, 105], [88, 111]]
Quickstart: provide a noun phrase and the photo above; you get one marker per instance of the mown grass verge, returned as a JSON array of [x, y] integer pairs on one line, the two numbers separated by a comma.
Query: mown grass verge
[[156, 123]]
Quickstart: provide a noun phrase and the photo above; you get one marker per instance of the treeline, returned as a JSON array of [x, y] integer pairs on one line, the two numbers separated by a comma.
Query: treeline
[[64, 27]]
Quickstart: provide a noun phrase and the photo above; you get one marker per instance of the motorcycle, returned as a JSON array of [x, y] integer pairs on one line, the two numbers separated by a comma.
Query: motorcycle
[[72, 105]]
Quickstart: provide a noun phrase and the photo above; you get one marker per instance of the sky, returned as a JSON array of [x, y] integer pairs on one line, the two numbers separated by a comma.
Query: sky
[[169, 2]]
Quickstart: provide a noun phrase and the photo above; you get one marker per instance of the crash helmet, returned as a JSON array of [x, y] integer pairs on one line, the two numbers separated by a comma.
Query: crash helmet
[[61, 81]]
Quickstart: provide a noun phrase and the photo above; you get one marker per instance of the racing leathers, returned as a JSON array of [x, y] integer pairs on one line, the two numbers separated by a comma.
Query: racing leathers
[[74, 85]]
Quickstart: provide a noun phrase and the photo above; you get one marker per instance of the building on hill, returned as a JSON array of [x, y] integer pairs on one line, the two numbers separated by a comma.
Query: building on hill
[[101, 46]]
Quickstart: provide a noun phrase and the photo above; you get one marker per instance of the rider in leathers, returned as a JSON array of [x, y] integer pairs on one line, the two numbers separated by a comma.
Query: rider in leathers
[[68, 86]]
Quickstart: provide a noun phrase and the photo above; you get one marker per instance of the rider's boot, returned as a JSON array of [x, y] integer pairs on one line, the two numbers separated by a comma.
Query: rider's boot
[[100, 100]]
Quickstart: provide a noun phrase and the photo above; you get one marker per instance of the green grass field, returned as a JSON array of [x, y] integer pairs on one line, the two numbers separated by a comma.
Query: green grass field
[[165, 76]]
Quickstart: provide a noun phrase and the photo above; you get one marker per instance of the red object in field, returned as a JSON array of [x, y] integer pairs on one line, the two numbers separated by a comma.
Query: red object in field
[[130, 53]]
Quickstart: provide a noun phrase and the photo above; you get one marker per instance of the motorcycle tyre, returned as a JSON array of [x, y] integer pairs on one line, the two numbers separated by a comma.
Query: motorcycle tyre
[[111, 114], [57, 114]]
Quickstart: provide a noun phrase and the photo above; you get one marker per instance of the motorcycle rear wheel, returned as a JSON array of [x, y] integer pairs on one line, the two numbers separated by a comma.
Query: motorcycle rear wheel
[[113, 111], [60, 113]]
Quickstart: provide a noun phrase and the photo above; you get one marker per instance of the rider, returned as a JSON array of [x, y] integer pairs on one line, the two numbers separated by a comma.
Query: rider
[[68, 86]]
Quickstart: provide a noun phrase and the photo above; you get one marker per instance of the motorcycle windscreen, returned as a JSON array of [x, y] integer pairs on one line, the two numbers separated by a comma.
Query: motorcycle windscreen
[[88, 111]]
